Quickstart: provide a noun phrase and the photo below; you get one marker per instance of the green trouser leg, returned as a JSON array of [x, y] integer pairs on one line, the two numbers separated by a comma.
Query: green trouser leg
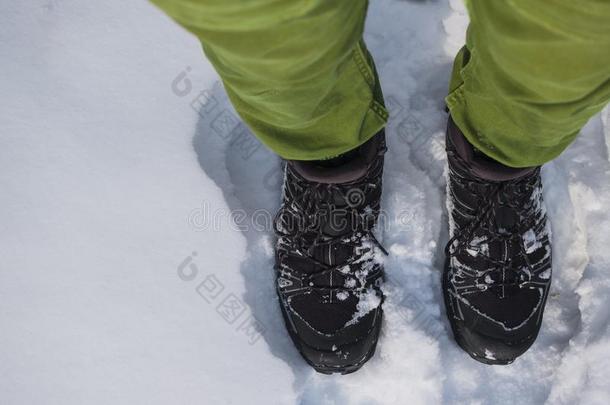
[[531, 75], [297, 72]]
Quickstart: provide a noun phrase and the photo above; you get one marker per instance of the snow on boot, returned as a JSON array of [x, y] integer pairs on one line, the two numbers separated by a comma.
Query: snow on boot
[[498, 260], [327, 258]]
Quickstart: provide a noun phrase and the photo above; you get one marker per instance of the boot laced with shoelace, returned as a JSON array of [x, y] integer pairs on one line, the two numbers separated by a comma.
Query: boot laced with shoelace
[[327, 258], [498, 259]]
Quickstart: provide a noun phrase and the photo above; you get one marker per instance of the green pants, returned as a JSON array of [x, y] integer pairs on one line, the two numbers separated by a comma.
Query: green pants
[[298, 73]]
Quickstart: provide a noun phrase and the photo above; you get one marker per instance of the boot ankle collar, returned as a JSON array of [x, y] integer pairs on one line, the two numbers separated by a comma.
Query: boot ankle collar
[[352, 170], [480, 166]]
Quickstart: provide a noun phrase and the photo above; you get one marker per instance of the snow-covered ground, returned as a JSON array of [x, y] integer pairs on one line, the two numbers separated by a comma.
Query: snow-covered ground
[[135, 247]]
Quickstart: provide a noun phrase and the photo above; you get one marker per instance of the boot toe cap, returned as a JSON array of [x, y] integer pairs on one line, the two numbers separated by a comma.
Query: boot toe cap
[[343, 351]]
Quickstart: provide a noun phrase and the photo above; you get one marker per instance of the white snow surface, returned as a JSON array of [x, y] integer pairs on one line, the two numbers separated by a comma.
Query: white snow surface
[[125, 279]]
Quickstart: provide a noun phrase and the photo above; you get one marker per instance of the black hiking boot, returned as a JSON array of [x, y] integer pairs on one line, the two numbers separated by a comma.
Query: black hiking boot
[[498, 260], [327, 261]]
